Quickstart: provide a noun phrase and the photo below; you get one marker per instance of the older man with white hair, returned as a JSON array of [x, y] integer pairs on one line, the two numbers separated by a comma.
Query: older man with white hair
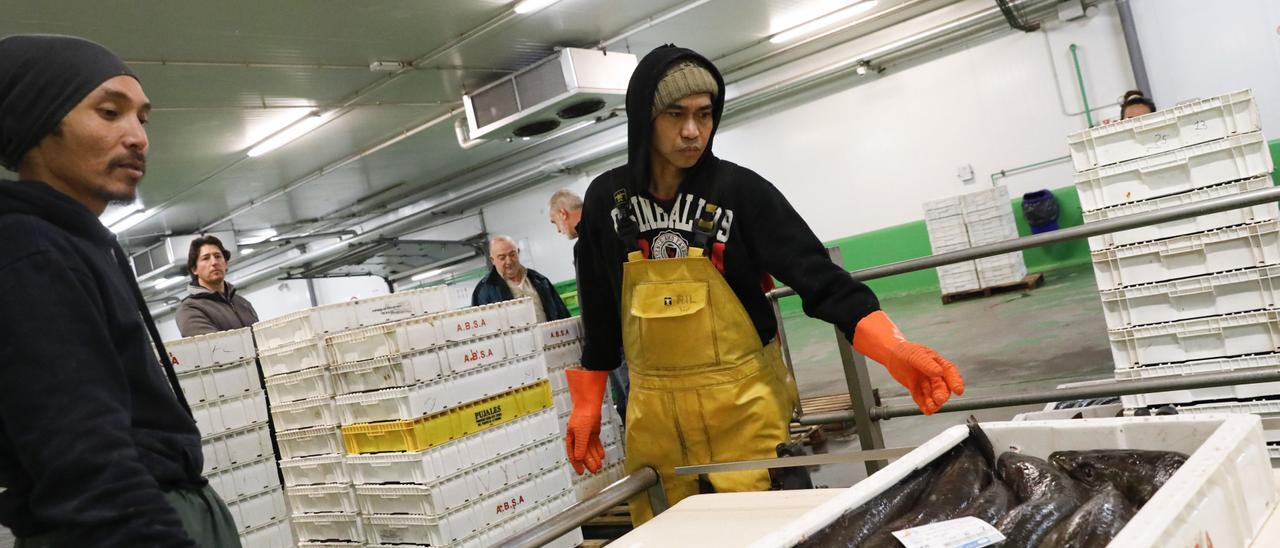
[[508, 279]]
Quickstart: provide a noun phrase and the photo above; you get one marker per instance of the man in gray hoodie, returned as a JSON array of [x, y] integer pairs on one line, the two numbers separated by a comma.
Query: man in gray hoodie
[[211, 304]]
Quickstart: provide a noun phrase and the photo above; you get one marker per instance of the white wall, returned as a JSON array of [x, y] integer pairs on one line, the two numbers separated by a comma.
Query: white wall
[[1198, 49], [336, 290], [525, 217]]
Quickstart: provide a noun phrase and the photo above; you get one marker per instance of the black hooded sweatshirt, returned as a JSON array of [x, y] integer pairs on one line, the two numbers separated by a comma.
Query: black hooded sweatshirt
[[758, 233], [91, 432]]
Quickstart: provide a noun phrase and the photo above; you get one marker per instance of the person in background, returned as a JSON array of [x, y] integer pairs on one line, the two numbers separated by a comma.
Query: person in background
[[508, 279], [211, 304], [1135, 103], [98, 445], [565, 210], [675, 254]]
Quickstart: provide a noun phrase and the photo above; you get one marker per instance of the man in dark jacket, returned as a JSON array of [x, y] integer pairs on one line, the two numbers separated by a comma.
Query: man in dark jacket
[[508, 279], [97, 447], [211, 304]]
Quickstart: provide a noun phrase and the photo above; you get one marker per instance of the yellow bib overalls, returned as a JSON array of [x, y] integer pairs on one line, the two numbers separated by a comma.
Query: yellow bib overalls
[[703, 388]]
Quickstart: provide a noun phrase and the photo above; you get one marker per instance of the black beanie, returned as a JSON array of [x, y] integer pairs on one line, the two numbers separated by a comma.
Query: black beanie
[[43, 77]]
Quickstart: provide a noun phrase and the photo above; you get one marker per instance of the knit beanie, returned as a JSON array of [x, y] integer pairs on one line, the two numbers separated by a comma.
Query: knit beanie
[[682, 79], [43, 77]]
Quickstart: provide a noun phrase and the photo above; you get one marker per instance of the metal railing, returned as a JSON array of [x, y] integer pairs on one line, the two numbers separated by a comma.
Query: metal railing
[[866, 416]]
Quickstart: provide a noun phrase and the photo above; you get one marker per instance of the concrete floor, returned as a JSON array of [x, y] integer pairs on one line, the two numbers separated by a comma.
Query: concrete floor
[[1017, 341]]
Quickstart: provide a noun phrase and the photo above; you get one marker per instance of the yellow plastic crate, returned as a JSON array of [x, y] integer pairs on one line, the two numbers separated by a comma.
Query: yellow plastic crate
[[430, 431]]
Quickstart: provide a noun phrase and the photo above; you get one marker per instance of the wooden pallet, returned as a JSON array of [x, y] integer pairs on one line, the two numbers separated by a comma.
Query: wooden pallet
[[1031, 281], [607, 527]]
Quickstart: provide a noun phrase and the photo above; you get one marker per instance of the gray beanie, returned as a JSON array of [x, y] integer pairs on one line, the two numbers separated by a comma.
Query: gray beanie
[[681, 80]]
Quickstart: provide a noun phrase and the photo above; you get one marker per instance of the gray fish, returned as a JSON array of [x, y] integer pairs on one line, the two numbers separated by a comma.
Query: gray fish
[[1028, 524], [1032, 478], [1136, 473], [1094, 524], [954, 488], [992, 504], [854, 528]]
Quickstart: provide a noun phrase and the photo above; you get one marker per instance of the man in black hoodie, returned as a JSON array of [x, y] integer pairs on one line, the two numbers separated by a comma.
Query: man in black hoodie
[[97, 443], [674, 258]]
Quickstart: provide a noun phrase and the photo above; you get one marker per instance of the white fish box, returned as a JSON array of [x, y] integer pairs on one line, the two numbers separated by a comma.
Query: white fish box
[[402, 305], [438, 395], [563, 355], [384, 340], [314, 470], [559, 331], [1269, 409], [958, 278], [245, 479], [239, 446], [1209, 295], [222, 348], [255, 511], [308, 442], [304, 414], [991, 230], [947, 233], [1202, 367], [305, 325], [1177, 127], [292, 357], [218, 382], [276, 534], [1233, 248], [1001, 269], [995, 197], [1173, 172], [1224, 491], [1201, 223], [227, 414], [1197, 339], [341, 527], [303, 385], [322, 498], [942, 207], [388, 372]]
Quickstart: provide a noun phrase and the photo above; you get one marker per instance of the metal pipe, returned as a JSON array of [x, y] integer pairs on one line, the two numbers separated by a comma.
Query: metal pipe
[[1134, 47], [1084, 97], [465, 142], [1119, 388], [574, 516], [1185, 211], [1029, 167]]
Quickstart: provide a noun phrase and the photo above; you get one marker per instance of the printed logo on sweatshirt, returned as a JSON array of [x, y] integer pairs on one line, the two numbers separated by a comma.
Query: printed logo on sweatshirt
[[669, 245], [684, 212]]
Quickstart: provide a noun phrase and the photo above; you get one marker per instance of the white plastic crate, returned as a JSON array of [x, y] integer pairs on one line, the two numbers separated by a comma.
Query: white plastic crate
[[1265, 409], [424, 467], [1180, 126], [1237, 392], [440, 394], [221, 348], [942, 207], [561, 356], [401, 337], [973, 203], [277, 534], [959, 277], [388, 372], [1001, 269], [559, 331], [314, 470], [333, 527], [1173, 172], [226, 381], [1225, 489], [235, 412], [1201, 223], [307, 442], [1233, 248], [991, 230], [947, 233], [304, 414], [303, 385], [258, 510], [1196, 339], [245, 479], [1209, 295], [588, 485], [402, 305], [335, 544], [292, 357], [305, 325], [243, 445], [461, 325], [322, 498]]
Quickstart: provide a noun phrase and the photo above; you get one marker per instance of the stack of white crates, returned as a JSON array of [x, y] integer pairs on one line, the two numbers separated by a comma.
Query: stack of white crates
[[448, 431], [1193, 296], [974, 219], [561, 342], [301, 389], [220, 379]]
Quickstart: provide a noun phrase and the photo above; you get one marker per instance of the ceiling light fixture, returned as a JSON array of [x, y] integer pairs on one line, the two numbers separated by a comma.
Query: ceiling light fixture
[[291, 132], [824, 21], [131, 220], [529, 6], [428, 274], [117, 213], [166, 282]]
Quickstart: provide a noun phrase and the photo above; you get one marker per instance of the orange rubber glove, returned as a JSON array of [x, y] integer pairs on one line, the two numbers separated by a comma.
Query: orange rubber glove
[[929, 377], [582, 435]]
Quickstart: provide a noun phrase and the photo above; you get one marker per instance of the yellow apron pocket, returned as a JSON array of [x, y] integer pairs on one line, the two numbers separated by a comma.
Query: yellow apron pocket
[[677, 330]]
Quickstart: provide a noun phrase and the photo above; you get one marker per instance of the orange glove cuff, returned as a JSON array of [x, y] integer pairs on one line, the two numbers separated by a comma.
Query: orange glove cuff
[[586, 387], [876, 337]]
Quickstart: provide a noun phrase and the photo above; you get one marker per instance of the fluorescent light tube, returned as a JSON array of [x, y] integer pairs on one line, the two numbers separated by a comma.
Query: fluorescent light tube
[[831, 18]]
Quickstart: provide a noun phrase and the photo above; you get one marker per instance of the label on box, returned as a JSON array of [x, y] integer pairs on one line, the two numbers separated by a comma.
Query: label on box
[[968, 532]]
